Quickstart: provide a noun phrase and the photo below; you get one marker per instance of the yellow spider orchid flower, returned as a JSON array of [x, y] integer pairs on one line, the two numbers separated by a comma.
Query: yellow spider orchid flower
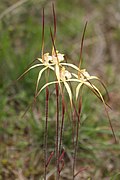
[[64, 76], [57, 58], [55, 62]]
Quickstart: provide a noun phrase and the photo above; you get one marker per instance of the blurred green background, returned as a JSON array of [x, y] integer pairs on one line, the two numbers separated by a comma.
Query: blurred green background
[[21, 139]]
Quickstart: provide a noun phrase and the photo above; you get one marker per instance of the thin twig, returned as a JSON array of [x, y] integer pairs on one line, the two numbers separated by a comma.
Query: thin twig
[[51, 173], [12, 8], [15, 6]]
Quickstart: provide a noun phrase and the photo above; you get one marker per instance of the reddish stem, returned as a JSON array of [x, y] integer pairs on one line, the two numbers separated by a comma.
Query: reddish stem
[[62, 166], [46, 133], [49, 158], [77, 135], [54, 21], [43, 34], [62, 123], [62, 155], [61, 161], [81, 45], [57, 131], [80, 170]]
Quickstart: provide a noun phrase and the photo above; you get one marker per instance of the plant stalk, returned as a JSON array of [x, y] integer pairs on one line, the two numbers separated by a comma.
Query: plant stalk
[[77, 135], [46, 133], [62, 124], [57, 132]]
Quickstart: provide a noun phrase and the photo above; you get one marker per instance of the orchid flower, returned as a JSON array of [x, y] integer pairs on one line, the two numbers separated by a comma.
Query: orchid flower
[[65, 72]]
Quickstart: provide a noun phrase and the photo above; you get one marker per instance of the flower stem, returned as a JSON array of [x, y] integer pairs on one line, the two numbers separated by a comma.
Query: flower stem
[[77, 135], [62, 124], [57, 132], [46, 133]]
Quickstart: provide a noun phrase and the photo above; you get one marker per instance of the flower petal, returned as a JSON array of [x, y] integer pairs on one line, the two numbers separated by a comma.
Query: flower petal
[[71, 65], [38, 79], [78, 89], [47, 84], [69, 91], [32, 67]]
